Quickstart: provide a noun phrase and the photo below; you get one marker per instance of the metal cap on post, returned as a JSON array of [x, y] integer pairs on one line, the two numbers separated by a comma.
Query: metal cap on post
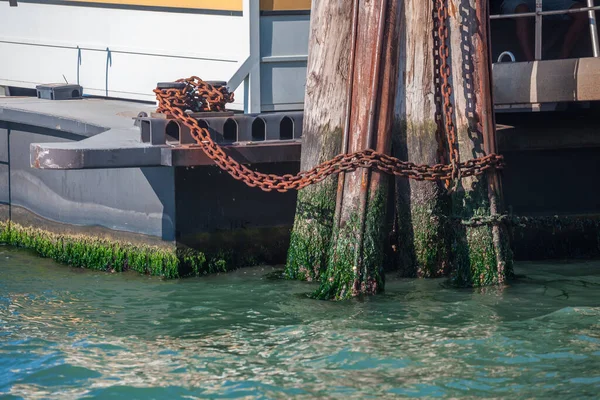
[[170, 85]]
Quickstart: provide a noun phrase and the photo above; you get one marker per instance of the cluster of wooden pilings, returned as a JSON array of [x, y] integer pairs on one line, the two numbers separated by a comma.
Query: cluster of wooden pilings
[[371, 84]]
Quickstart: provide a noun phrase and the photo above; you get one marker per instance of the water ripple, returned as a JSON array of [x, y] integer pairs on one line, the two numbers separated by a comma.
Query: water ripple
[[67, 334]]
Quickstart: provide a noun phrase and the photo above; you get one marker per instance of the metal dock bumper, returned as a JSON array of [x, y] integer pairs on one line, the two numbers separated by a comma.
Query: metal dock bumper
[[157, 141]]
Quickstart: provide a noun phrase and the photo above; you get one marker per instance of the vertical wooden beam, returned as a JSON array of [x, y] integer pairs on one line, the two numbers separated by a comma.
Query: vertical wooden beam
[[422, 208], [324, 118], [356, 262], [482, 253], [393, 88]]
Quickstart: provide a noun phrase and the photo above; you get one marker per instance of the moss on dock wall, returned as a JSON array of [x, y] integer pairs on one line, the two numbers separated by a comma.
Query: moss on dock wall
[[248, 246], [556, 237], [111, 255]]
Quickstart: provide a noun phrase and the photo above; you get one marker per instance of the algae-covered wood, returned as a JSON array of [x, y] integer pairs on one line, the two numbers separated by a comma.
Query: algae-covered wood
[[394, 85], [324, 113], [344, 248], [430, 240], [482, 254], [422, 207], [356, 264]]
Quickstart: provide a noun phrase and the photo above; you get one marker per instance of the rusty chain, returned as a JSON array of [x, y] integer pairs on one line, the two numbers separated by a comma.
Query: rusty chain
[[439, 113], [195, 95], [443, 54], [199, 96]]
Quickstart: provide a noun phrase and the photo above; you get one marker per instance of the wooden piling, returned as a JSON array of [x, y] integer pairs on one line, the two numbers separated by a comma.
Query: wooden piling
[[372, 72], [356, 261], [324, 119], [422, 208], [481, 254]]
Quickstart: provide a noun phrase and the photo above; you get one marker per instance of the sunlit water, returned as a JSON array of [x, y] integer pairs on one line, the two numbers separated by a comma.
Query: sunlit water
[[69, 333]]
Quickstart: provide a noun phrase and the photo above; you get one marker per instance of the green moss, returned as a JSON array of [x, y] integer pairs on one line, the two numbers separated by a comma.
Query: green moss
[[476, 262], [345, 279], [311, 235], [221, 261], [104, 255], [191, 260], [373, 252], [233, 249], [341, 278], [422, 207], [430, 238], [315, 209]]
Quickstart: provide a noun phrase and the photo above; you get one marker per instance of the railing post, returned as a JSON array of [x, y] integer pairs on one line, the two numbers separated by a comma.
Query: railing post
[[538, 30], [252, 8], [593, 28]]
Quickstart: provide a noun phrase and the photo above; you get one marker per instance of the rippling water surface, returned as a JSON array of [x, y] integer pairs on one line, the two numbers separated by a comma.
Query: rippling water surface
[[69, 333]]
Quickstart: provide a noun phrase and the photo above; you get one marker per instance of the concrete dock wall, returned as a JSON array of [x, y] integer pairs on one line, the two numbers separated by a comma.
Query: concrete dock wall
[[100, 191], [138, 200]]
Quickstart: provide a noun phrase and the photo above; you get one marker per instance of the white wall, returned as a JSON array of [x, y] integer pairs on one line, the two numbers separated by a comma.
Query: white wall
[[38, 44]]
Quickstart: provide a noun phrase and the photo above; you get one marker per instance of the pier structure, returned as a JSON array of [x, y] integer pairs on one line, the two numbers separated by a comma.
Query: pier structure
[[400, 142], [97, 168]]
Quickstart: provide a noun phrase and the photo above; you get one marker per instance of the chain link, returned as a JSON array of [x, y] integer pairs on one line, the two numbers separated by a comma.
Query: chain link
[[199, 96], [443, 54], [196, 96], [439, 113]]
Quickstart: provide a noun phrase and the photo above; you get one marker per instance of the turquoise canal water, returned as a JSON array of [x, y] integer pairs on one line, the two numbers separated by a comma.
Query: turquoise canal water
[[70, 333]]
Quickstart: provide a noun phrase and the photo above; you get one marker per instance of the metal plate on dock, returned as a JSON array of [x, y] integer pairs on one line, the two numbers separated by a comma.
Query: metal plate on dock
[[200, 115]]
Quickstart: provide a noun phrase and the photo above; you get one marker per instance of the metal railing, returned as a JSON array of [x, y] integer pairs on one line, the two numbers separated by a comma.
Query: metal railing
[[538, 14]]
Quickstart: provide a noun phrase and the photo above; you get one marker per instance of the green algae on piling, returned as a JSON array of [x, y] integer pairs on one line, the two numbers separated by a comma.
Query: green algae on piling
[[312, 232], [430, 237], [476, 259], [344, 279], [422, 208]]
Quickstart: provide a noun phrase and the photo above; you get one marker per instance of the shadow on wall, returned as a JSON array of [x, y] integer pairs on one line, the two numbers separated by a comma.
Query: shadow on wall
[[165, 194]]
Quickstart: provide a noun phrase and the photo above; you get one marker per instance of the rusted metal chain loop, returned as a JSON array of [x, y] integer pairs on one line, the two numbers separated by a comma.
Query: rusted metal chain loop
[[444, 74], [438, 98], [199, 96], [169, 98]]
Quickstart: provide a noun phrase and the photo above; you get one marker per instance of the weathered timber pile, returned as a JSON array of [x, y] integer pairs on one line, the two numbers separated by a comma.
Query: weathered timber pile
[[409, 73], [347, 248]]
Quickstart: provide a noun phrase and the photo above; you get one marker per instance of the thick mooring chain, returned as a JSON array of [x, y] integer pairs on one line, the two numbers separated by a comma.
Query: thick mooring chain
[[443, 73], [197, 96], [443, 91]]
